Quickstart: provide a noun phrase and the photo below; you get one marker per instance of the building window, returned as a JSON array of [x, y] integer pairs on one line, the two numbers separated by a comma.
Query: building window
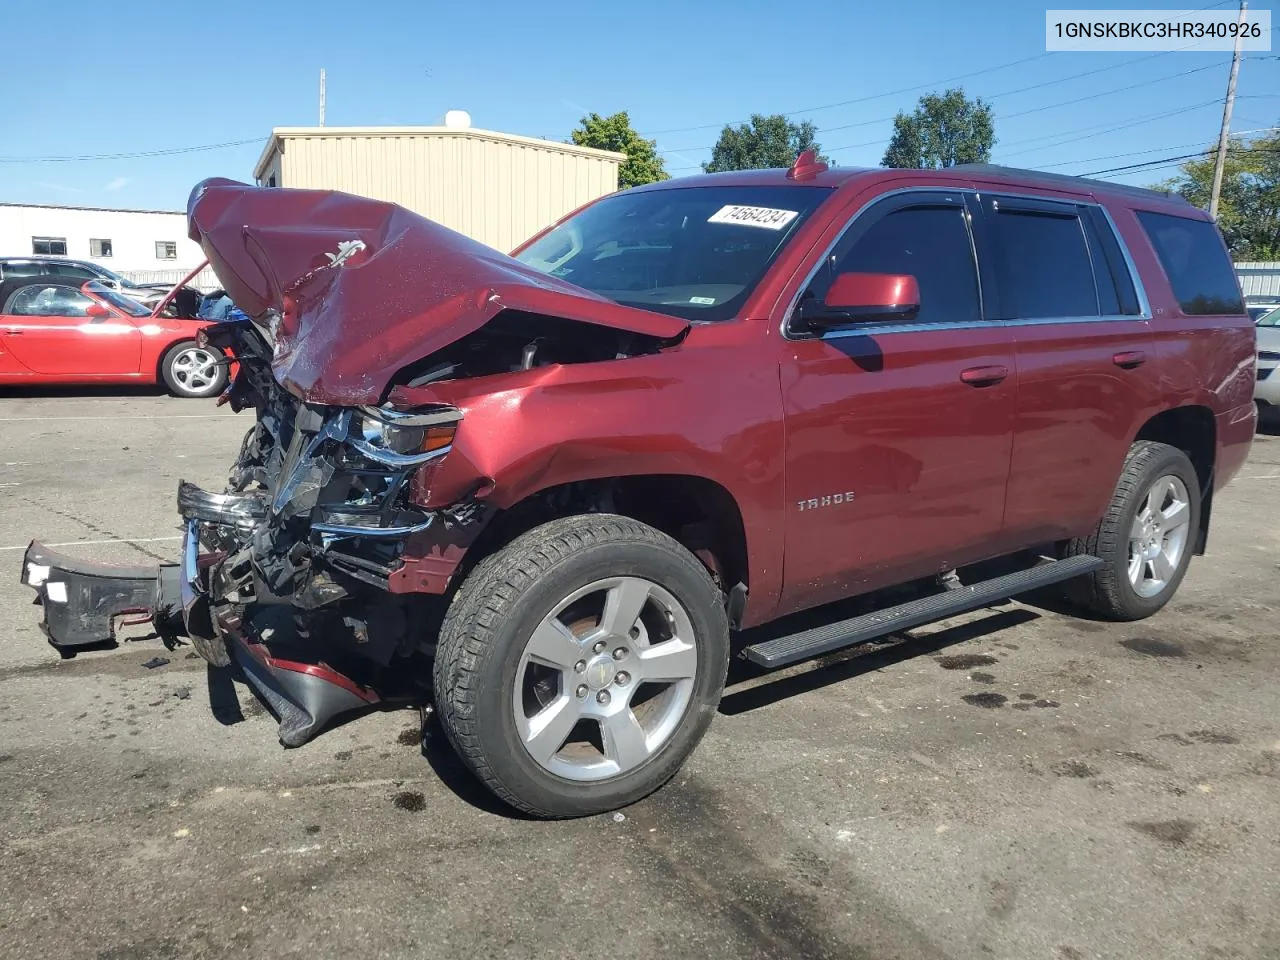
[[166, 250], [49, 246], [271, 180], [99, 248]]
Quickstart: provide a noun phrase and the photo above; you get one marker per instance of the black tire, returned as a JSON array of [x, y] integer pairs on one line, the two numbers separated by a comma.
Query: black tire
[[1108, 592], [492, 616], [175, 380]]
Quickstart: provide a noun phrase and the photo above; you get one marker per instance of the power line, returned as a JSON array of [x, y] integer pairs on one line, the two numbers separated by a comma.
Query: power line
[[924, 86], [135, 155], [1006, 116]]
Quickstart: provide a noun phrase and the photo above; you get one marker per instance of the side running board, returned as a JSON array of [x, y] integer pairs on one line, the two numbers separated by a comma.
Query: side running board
[[807, 644]]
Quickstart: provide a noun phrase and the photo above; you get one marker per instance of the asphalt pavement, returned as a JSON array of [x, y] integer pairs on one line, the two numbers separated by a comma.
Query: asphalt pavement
[[1014, 784]]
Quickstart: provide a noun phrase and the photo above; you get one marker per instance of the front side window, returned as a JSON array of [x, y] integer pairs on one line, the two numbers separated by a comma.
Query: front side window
[[692, 252], [932, 244], [99, 248], [166, 250], [49, 246], [118, 300], [1045, 267], [73, 271], [1195, 260], [40, 300]]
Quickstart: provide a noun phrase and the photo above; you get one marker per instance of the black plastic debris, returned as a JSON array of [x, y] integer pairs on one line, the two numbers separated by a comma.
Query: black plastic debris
[[156, 662]]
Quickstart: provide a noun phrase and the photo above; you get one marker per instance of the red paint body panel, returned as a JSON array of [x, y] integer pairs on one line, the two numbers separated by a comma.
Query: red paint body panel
[[957, 444], [115, 348]]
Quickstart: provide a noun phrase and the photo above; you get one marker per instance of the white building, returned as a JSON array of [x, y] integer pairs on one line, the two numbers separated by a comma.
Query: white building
[[145, 245]]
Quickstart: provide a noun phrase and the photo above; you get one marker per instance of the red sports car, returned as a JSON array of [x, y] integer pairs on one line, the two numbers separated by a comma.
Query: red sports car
[[56, 330]]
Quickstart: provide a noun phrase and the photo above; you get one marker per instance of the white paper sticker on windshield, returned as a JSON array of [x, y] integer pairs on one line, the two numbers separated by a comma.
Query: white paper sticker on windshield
[[703, 301], [765, 217]]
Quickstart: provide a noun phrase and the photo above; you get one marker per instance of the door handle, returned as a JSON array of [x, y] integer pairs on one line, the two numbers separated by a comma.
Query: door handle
[[1128, 359], [984, 376], [12, 333]]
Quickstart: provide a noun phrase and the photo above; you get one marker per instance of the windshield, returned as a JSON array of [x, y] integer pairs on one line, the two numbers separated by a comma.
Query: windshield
[[1271, 319], [693, 252], [119, 301]]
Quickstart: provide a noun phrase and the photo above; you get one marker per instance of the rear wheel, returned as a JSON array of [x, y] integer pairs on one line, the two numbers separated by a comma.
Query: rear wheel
[[1146, 537], [578, 667], [190, 370]]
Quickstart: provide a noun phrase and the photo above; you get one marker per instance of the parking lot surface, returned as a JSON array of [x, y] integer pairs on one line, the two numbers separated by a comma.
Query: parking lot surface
[[1012, 784]]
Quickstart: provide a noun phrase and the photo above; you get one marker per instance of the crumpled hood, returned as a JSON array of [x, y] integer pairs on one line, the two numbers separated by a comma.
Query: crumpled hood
[[363, 287]]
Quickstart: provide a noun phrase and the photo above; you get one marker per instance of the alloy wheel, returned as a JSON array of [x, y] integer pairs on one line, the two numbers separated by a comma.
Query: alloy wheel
[[1158, 536], [605, 679]]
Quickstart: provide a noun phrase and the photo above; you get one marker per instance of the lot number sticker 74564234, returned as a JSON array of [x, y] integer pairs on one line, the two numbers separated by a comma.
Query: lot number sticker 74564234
[[765, 217]]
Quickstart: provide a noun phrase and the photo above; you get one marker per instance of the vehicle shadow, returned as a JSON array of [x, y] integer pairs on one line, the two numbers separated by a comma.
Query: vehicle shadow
[[81, 391], [750, 687]]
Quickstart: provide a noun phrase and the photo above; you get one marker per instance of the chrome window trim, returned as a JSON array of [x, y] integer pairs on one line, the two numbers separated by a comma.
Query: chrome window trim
[[1144, 305]]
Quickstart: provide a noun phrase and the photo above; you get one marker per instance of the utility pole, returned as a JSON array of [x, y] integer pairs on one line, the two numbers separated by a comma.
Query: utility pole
[[1225, 135], [1233, 82]]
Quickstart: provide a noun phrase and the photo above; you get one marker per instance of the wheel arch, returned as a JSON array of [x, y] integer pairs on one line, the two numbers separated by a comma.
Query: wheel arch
[[699, 513], [1193, 430]]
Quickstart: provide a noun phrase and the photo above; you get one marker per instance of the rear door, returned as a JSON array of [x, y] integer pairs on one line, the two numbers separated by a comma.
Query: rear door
[[897, 435], [47, 329], [1087, 376]]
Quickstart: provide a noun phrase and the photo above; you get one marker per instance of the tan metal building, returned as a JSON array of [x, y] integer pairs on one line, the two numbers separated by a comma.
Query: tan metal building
[[497, 188]]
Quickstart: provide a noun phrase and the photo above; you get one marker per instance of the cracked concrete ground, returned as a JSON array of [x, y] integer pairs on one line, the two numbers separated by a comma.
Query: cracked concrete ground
[[1012, 784]]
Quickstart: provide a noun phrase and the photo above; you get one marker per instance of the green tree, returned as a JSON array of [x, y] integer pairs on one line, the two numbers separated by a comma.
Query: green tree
[[1249, 207], [772, 141], [643, 165], [945, 129]]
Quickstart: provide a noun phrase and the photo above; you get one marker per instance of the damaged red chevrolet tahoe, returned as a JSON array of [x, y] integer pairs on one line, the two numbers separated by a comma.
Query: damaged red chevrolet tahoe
[[551, 492]]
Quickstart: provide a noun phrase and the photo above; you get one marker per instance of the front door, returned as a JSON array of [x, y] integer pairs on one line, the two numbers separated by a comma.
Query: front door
[[898, 436], [47, 329]]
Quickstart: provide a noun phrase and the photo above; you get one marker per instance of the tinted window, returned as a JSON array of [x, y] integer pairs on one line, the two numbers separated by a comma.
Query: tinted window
[[21, 268], [1045, 266], [79, 273], [694, 252], [1195, 261], [931, 244], [38, 300], [1271, 319]]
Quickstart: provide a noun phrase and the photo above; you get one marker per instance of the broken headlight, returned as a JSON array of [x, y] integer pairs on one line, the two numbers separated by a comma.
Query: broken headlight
[[406, 434]]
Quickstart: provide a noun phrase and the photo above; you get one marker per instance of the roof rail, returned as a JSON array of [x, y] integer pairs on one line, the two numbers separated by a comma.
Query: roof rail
[[1068, 181]]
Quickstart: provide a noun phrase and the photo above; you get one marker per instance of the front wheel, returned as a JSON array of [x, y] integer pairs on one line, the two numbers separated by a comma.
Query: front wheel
[[190, 370], [1146, 537], [578, 667]]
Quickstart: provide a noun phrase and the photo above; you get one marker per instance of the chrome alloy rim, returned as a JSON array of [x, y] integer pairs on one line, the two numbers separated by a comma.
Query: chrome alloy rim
[[1158, 536], [605, 679], [195, 369]]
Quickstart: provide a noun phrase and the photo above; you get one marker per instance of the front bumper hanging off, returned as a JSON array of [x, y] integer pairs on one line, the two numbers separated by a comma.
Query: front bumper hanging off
[[83, 602]]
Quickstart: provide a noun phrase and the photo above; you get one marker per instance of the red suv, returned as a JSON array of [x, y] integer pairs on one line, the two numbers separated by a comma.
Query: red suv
[[550, 492]]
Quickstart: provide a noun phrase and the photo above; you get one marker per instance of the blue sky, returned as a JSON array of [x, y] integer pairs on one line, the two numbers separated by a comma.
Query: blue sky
[[680, 67]]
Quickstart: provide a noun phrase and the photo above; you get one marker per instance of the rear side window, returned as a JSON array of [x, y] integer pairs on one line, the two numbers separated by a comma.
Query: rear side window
[[933, 245], [1046, 270], [1195, 260], [21, 268]]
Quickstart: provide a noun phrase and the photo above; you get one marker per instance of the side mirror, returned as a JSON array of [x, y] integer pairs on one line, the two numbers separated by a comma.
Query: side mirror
[[96, 311], [864, 298]]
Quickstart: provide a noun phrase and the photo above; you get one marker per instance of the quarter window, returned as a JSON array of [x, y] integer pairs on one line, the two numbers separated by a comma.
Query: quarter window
[[1195, 260], [99, 248], [166, 250], [38, 300], [931, 244], [49, 246], [1045, 267]]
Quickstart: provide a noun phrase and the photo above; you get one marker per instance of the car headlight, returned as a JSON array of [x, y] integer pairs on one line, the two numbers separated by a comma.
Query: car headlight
[[406, 433]]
